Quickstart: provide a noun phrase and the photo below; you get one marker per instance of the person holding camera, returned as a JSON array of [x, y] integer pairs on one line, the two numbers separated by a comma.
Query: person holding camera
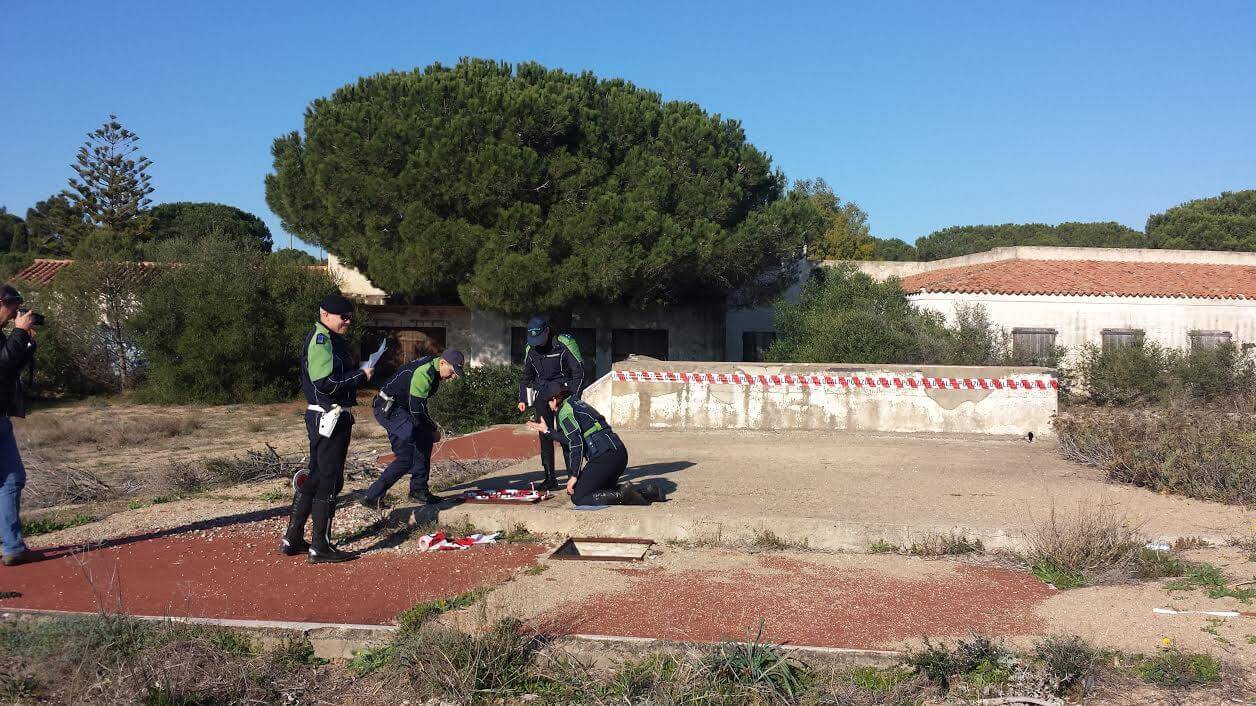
[[16, 351]]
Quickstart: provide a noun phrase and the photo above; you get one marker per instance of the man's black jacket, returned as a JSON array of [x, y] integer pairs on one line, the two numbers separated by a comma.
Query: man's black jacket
[[16, 350]]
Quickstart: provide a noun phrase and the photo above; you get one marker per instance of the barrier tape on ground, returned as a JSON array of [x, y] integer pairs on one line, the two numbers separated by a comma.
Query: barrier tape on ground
[[890, 381]]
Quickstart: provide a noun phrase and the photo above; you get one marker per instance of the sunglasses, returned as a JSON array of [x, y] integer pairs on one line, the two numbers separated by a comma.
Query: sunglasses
[[345, 317]]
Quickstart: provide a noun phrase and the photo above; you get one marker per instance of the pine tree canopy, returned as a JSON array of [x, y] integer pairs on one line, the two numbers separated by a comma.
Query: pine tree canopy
[[522, 188]]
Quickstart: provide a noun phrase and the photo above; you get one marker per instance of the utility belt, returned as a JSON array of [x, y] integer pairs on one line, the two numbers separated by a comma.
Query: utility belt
[[601, 441], [327, 418]]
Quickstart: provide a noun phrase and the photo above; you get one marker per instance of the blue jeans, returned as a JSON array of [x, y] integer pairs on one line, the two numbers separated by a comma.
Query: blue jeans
[[12, 480]]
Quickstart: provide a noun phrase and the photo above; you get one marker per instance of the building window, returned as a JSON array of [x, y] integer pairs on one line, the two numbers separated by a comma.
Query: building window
[[586, 339], [1034, 346], [1121, 337], [754, 344], [1209, 339], [650, 342]]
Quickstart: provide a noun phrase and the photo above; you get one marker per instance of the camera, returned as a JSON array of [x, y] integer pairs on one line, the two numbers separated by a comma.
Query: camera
[[37, 318]]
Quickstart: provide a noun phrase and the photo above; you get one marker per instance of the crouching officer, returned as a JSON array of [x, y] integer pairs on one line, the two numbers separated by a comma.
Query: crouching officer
[[401, 408], [549, 359], [597, 455], [330, 379]]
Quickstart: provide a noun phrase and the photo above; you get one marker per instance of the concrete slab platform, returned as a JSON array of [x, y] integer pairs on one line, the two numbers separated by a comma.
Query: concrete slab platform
[[844, 491]]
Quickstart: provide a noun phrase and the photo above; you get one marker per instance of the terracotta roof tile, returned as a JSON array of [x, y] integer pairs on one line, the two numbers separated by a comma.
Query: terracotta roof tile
[[43, 271], [1092, 278]]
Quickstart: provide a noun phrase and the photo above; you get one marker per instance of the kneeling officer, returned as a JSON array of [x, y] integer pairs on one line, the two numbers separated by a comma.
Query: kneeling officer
[[401, 408], [597, 455]]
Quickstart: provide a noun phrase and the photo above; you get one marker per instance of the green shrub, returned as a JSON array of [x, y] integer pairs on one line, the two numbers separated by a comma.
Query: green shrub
[[1084, 546], [1175, 669], [1199, 453], [1215, 373], [227, 326], [1070, 660], [941, 663], [460, 665], [486, 395], [45, 525], [1123, 375], [759, 665]]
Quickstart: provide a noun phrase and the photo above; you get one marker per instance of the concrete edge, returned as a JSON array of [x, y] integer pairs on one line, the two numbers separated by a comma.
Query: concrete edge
[[344, 640]]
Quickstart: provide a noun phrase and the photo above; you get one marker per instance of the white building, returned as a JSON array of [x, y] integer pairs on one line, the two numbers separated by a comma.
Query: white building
[[1073, 296]]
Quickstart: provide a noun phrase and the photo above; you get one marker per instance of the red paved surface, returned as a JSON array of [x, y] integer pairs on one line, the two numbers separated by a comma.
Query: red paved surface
[[809, 604], [237, 573], [504, 442]]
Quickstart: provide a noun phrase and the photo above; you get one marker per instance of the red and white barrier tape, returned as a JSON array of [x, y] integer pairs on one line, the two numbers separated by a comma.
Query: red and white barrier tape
[[847, 382]]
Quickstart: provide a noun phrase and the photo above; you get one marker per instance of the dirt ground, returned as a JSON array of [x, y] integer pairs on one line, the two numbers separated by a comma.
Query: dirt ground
[[213, 553]]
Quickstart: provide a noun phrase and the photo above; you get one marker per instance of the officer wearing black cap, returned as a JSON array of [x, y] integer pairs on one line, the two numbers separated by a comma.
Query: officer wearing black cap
[[401, 408], [597, 455], [330, 379], [549, 359]]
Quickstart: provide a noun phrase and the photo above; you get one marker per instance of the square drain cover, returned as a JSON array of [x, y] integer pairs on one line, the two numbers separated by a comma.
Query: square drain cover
[[603, 549]]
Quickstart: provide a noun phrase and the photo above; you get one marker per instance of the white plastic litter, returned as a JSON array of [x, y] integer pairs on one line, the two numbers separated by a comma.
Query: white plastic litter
[[439, 542]]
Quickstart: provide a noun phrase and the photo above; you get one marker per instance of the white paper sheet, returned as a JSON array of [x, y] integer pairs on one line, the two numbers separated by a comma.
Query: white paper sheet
[[370, 362]]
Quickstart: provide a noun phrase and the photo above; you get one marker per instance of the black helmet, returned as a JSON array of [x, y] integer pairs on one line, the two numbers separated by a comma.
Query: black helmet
[[550, 390]]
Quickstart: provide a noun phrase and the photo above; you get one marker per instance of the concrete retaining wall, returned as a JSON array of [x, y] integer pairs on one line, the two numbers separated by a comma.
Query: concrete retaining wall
[[887, 398]]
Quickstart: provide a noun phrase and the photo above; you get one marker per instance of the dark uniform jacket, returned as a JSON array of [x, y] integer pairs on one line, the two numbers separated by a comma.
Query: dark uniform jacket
[[16, 351], [329, 374], [411, 387], [585, 433], [552, 362]]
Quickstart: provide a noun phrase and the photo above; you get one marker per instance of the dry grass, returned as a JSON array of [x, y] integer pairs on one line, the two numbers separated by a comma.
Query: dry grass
[[54, 432], [1092, 544]]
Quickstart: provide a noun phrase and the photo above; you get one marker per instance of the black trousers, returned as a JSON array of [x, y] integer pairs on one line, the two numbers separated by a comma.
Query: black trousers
[[600, 473], [544, 413], [327, 456], [412, 447]]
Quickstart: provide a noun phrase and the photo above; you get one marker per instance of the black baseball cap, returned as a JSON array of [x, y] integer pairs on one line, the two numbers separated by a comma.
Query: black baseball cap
[[336, 304], [550, 390], [538, 331], [456, 359]]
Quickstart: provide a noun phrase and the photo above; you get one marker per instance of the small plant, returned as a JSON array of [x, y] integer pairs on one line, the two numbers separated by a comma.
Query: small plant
[[138, 504], [1175, 669], [273, 495], [231, 641], [1070, 660], [946, 544], [980, 659], [1209, 577], [1155, 564], [45, 525], [370, 660], [1060, 578], [520, 534], [411, 619], [295, 653], [765, 540], [759, 665], [537, 570], [1085, 546], [882, 547]]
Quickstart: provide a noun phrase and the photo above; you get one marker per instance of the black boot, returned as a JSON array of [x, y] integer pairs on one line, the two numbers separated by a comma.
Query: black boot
[[426, 496], [551, 480], [607, 497], [294, 539], [321, 550], [631, 495], [652, 492]]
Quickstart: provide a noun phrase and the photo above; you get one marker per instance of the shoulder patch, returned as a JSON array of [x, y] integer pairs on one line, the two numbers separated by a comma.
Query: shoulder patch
[[320, 338]]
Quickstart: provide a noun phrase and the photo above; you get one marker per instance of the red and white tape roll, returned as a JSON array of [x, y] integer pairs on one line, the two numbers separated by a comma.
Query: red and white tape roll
[[879, 381]]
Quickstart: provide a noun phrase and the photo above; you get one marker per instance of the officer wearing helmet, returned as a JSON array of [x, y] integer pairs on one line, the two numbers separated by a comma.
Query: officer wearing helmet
[[596, 454], [549, 359]]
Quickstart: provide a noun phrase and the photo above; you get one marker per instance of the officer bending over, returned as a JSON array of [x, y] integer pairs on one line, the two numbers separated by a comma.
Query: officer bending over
[[549, 359], [596, 454], [330, 379], [401, 408]]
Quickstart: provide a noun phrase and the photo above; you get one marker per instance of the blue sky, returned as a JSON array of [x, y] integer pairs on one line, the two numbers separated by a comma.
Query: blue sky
[[927, 114]]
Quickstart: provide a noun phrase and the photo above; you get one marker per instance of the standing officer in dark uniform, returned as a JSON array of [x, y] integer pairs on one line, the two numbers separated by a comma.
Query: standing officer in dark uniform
[[401, 408], [330, 379], [549, 359], [598, 456]]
